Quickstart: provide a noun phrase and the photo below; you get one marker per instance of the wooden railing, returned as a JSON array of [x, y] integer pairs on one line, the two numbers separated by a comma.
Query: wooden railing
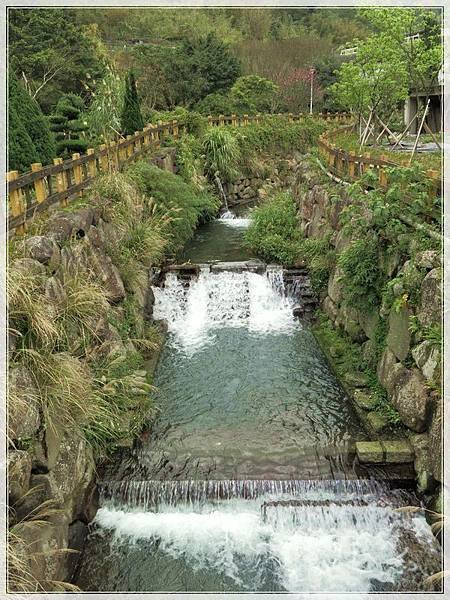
[[34, 192], [350, 166]]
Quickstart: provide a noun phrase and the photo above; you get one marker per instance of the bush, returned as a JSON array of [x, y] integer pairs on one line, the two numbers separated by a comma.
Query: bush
[[273, 233], [360, 265], [175, 199], [222, 154], [30, 138]]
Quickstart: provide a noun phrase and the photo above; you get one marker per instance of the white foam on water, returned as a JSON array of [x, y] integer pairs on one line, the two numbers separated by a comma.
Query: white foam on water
[[235, 222], [328, 549], [223, 299]]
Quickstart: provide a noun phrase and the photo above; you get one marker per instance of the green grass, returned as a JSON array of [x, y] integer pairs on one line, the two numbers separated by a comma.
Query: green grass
[[427, 160]]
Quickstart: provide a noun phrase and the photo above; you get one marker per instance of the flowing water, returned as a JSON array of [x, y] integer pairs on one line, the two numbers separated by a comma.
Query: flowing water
[[245, 481]]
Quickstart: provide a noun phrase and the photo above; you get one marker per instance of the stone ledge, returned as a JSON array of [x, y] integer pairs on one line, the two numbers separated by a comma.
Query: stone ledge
[[385, 452]]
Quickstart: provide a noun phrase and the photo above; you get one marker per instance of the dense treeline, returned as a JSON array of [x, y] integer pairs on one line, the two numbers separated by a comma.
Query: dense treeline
[[97, 74]]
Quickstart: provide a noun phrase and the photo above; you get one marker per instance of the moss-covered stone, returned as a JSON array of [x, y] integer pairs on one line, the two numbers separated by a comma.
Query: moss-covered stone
[[369, 452], [364, 399], [377, 422], [398, 451], [399, 336]]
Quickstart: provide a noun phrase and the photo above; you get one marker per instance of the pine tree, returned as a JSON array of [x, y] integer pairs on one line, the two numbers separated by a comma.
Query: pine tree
[[25, 113], [68, 125], [131, 119], [21, 150]]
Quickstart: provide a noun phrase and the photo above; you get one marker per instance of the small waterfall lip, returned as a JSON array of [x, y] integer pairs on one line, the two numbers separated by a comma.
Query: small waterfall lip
[[151, 493], [220, 298]]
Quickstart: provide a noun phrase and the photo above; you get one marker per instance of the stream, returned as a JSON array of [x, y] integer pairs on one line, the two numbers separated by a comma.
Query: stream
[[246, 479]]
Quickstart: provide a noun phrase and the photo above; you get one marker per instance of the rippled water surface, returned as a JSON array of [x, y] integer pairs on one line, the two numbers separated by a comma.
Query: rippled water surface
[[241, 483]]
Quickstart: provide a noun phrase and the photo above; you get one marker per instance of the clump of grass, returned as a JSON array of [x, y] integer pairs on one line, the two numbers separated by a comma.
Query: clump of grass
[[22, 554], [274, 234], [64, 385], [30, 314], [222, 153]]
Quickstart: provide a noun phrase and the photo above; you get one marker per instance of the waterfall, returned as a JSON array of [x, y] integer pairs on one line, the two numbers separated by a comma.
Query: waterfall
[[325, 536], [227, 214], [223, 299]]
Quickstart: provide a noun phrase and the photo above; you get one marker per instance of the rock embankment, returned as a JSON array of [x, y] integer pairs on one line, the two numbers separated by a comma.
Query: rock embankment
[[395, 337]]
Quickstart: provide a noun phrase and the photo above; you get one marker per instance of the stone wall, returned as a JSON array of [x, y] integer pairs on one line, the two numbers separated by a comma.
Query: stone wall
[[408, 365], [255, 187], [51, 465]]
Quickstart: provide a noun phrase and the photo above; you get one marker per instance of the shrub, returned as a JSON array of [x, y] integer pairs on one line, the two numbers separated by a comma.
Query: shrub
[[222, 154], [179, 203], [273, 233], [131, 119], [30, 138], [360, 265]]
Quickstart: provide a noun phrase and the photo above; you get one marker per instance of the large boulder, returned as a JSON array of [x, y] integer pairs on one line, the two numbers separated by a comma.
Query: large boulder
[[399, 336], [23, 404], [410, 396], [107, 273], [330, 308], [427, 357], [348, 318], [430, 306], [435, 447], [387, 370], [335, 285], [40, 549], [19, 472], [369, 321], [43, 249]]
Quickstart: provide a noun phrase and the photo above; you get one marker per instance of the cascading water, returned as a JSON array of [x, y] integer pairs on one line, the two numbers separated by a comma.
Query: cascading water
[[224, 299], [245, 481], [328, 536]]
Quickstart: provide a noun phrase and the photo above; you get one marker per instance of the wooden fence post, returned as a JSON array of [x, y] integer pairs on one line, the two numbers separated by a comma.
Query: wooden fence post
[[166, 132], [434, 176], [92, 164], [367, 164], [382, 176], [210, 121], [221, 120], [129, 150], [61, 181], [245, 120], [17, 204], [351, 165], [104, 167], [233, 120], [175, 128], [77, 172], [39, 184], [137, 144]]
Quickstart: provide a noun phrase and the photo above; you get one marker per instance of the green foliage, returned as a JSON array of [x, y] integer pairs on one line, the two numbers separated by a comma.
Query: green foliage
[[273, 233], [216, 104], [30, 139], [253, 94], [69, 125], [347, 356], [131, 119], [103, 116], [194, 122], [359, 263], [319, 255], [221, 152], [181, 203], [50, 48]]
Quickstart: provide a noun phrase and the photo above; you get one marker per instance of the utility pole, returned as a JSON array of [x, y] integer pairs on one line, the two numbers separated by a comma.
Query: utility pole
[[311, 76]]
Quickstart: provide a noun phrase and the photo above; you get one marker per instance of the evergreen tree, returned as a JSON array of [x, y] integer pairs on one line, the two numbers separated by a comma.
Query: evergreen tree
[[131, 119], [21, 150], [29, 132], [68, 125]]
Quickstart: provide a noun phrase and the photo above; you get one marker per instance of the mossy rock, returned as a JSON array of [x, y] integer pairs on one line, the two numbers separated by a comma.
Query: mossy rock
[[356, 379], [377, 422], [364, 399]]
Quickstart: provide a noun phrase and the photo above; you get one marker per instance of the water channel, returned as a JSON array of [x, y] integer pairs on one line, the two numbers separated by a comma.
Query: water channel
[[245, 481]]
